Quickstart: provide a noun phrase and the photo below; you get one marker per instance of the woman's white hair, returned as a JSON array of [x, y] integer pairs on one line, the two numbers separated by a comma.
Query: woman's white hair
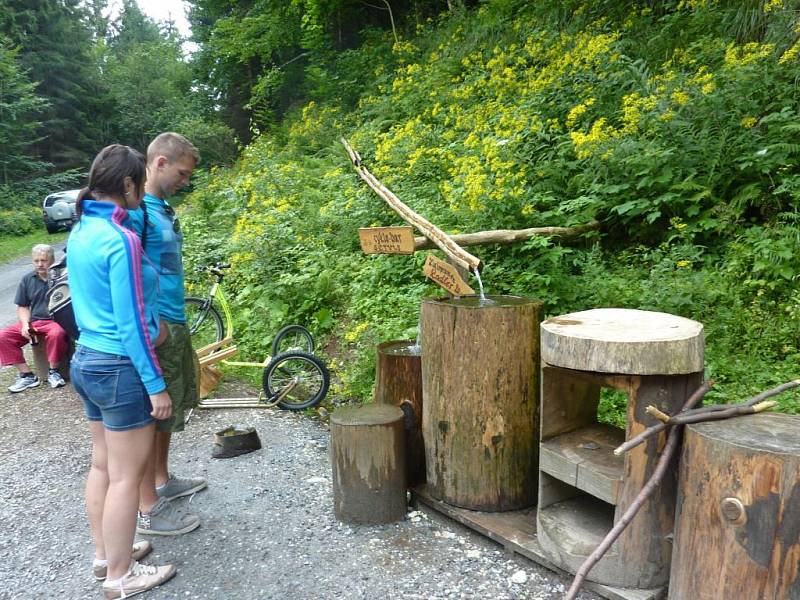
[[44, 249]]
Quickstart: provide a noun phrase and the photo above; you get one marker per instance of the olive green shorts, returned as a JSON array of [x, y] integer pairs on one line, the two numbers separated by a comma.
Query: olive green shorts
[[180, 368]]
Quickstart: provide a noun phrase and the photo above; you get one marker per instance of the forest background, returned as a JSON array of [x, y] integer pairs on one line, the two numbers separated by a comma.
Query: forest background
[[672, 122]]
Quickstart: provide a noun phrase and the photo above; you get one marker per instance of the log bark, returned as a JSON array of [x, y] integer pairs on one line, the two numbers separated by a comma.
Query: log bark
[[509, 236], [480, 416], [398, 382], [738, 522], [368, 460]]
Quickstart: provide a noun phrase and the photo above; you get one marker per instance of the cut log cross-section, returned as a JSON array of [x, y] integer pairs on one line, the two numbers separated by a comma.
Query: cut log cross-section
[[737, 531], [655, 359]]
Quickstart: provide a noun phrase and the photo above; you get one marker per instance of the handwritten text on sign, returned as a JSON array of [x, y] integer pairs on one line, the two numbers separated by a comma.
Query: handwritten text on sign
[[387, 240], [445, 275]]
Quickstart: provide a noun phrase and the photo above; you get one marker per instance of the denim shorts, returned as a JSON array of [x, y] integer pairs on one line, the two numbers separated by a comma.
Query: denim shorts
[[111, 389]]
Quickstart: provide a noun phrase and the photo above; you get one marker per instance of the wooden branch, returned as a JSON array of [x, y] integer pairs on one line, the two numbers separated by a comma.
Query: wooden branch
[[457, 254], [510, 236], [654, 412], [751, 401], [655, 429], [705, 410], [734, 411]]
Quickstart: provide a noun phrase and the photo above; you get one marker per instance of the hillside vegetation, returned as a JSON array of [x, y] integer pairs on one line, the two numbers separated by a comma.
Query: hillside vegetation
[[673, 123]]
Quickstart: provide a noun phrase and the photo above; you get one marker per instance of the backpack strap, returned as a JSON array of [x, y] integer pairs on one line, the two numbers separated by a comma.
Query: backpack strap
[[146, 223]]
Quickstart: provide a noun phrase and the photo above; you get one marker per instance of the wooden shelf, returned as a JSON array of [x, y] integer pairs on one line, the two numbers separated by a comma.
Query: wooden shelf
[[578, 525], [585, 459]]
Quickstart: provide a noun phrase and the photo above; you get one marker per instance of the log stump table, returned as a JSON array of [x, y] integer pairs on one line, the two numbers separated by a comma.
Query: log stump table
[[655, 358], [368, 459], [737, 529]]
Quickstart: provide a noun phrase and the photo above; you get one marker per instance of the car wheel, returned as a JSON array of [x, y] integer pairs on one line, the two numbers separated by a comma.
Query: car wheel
[[51, 228]]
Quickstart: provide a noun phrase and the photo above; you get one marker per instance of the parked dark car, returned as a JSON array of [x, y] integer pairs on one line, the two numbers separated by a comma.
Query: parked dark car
[[58, 210]]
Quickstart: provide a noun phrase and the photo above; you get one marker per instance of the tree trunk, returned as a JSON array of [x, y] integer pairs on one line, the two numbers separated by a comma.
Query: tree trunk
[[398, 381], [738, 521], [480, 374], [368, 459]]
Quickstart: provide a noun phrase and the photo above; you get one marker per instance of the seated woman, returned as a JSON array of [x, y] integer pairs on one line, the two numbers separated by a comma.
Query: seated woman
[[35, 325], [114, 368]]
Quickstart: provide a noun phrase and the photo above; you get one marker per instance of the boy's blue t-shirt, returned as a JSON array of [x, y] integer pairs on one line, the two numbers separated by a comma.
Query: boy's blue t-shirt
[[113, 290], [163, 247]]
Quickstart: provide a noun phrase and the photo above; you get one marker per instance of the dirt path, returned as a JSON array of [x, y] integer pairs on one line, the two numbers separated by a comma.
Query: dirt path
[[268, 527]]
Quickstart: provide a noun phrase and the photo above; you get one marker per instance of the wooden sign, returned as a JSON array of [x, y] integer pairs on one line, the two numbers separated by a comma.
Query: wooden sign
[[445, 275], [387, 240]]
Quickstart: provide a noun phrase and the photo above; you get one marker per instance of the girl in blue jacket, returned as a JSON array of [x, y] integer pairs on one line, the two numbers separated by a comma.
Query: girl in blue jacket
[[115, 369]]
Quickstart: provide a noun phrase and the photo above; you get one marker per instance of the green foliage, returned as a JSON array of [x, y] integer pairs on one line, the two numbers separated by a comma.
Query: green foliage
[[19, 107], [14, 246], [55, 49], [20, 221], [674, 123]]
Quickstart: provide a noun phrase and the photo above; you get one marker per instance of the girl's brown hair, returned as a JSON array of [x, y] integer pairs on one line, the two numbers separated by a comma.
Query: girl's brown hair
[[108, 172]]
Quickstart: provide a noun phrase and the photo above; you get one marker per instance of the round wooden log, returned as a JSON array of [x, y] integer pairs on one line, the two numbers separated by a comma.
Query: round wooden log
[[634, 342], [398, 382], [738, 521], [368, 459], [480, 381]]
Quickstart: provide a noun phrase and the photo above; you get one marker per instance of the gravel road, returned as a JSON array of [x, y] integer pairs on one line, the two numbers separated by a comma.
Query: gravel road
[[268, 527]]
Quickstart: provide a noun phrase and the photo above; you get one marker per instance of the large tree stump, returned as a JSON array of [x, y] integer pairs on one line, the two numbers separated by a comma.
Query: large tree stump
[[480, 367], [398, 381], [584, 489], [368, 459], [738, 522]]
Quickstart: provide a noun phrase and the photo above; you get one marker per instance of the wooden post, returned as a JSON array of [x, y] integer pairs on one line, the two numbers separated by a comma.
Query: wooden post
[[738, 521], [368, 460], [398, 381], [480, 415], [41, 366]]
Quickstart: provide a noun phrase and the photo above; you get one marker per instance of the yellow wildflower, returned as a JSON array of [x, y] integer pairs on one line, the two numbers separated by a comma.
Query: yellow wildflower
[[748, 122]]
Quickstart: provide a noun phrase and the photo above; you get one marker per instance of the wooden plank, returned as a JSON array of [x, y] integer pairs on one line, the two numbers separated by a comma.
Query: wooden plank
[[218, 356], [446, 276], [585, 458], [213, 347], [516, 531], [386, 240]]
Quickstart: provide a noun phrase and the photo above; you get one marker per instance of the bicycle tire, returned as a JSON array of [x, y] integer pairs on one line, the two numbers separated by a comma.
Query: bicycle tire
[[299, 338], [308, 374], [204, 322]]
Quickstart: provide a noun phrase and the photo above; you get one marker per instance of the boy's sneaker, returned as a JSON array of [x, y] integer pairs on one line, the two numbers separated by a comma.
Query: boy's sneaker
[[139, 579], [24, 382], [166, 519], [180, 486], [138, 552], [55, 379]]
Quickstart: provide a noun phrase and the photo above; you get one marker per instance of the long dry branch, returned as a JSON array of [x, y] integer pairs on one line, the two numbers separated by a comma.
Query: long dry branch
[[658, 428], [509, 236], [705, 410], [457, 254], [636, 504]]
